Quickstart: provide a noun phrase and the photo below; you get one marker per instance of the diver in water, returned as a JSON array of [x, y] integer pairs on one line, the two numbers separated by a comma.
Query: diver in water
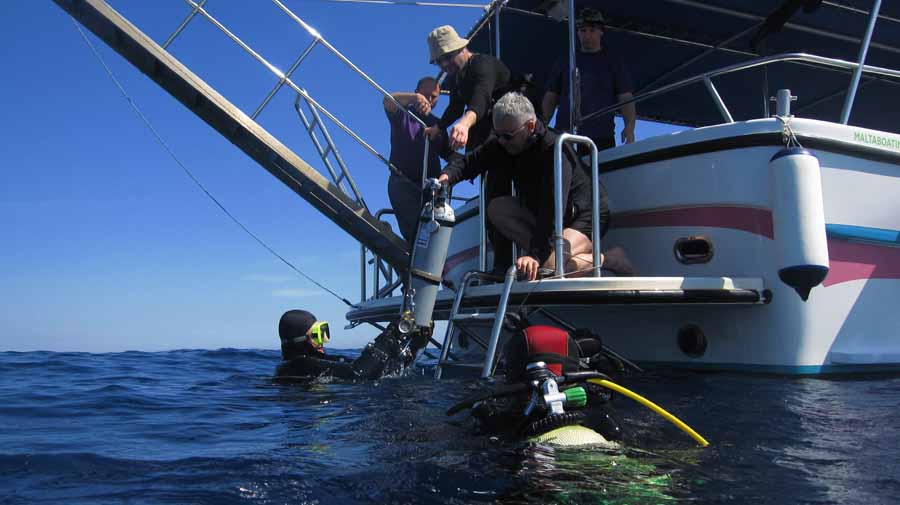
[[542, 393], [303, 340]]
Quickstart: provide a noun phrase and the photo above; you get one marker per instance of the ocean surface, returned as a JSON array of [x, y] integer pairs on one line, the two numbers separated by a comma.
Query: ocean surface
[[212, 427]]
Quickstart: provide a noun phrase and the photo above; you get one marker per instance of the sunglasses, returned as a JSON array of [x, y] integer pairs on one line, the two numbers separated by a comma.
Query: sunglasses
[[507, 136], [444, 58]]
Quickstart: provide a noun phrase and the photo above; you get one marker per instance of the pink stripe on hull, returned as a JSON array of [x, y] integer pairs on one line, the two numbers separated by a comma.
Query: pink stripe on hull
[[850, 261]]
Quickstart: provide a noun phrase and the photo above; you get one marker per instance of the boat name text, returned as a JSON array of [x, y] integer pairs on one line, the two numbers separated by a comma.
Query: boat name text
[[878, 140]]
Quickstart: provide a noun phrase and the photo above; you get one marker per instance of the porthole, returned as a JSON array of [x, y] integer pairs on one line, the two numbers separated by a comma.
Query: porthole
[[693, 250], [692, 341]]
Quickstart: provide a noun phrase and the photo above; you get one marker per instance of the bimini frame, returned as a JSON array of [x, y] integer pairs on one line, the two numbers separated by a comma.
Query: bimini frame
[[858, 69]]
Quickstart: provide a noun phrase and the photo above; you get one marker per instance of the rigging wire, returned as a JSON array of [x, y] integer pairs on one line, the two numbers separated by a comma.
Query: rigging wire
[[196, 181]]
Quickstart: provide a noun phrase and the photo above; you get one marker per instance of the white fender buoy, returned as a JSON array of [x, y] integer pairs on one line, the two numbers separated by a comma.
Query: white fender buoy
[[798, 215]]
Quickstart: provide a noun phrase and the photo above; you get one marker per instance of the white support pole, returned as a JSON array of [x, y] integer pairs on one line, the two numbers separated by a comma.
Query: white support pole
[[863, 50], [573, 72]]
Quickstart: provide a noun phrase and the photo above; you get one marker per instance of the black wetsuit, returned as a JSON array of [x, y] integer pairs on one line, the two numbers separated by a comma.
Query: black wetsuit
[[314, 365], [384, 355], [475, 87], [532, 172]]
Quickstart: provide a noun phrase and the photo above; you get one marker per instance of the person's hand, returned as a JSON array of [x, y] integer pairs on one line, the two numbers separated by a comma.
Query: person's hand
[[432, 132], [529, 266], [459, 135], [421, 104], [444, 179], [628, 135]]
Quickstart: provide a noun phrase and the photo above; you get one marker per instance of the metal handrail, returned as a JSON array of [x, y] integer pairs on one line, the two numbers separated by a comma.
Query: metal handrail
[[491, 353], [467, 279], [567, 138], [378, 291], [321, 40], [778, 58], [312, 31], [324, 151], [284, 78]]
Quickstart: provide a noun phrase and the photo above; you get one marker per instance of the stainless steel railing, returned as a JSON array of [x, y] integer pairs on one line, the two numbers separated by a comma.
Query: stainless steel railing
[[558, 241], [284, 78], [706, 78], [380, 268]]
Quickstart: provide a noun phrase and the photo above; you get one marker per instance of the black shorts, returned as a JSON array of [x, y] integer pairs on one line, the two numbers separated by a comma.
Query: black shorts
[[582, 222]]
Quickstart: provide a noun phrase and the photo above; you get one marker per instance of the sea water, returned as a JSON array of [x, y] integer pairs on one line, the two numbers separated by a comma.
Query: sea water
[[197, 426]]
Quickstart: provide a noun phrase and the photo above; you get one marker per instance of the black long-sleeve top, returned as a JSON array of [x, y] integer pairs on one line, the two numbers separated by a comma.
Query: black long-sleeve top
[[532, 172], [475, 87]]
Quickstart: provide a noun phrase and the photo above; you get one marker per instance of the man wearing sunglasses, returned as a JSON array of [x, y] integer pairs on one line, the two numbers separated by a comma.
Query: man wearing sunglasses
[[521, 151], [475, 81]]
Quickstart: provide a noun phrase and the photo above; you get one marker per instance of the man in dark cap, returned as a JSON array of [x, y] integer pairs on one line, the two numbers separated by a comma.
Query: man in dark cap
[[603, 80]]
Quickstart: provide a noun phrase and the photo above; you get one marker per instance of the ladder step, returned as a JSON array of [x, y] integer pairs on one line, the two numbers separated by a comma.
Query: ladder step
[[474, 366], [312, 124], [325, 152], [472, 317]]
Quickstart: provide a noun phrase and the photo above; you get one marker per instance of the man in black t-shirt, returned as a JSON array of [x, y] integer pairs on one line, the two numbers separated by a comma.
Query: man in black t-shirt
[[604, 81], [476, 80]]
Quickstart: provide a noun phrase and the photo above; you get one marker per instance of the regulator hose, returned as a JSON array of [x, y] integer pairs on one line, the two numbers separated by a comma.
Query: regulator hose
[[652, 406]]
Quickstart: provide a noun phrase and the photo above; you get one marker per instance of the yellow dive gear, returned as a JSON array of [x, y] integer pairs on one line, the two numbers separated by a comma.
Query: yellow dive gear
[[319, 334], [652, 406]]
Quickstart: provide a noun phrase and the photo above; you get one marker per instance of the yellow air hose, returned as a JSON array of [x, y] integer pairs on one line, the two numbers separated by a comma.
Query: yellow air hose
[[652, 406]]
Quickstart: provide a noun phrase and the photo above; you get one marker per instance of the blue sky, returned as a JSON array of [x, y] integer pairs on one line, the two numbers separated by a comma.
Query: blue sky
[[108, 246]]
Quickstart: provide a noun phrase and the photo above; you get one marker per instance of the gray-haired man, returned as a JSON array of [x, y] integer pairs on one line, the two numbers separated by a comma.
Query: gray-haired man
[[520, 150]]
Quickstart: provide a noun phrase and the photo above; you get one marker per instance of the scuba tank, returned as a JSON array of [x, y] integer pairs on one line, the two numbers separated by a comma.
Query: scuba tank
[[398, 345], [429, 255], [557, 391], [542, 398]]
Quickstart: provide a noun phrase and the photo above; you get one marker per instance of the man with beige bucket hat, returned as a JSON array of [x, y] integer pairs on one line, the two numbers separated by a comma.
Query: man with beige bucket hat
[[476, 80]]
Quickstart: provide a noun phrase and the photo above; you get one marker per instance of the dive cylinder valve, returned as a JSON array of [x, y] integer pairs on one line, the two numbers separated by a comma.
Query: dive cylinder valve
[[576, 397], [546, 393]]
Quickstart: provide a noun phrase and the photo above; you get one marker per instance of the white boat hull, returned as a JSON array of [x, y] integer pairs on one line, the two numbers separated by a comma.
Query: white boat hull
[[715, 182]]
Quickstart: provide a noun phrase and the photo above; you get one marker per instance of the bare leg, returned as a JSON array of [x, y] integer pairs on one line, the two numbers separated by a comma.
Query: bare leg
[[578, 251], [581, 265]]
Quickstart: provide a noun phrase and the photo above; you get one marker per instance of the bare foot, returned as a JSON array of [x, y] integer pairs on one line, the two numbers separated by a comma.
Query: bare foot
[[616, 261]]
